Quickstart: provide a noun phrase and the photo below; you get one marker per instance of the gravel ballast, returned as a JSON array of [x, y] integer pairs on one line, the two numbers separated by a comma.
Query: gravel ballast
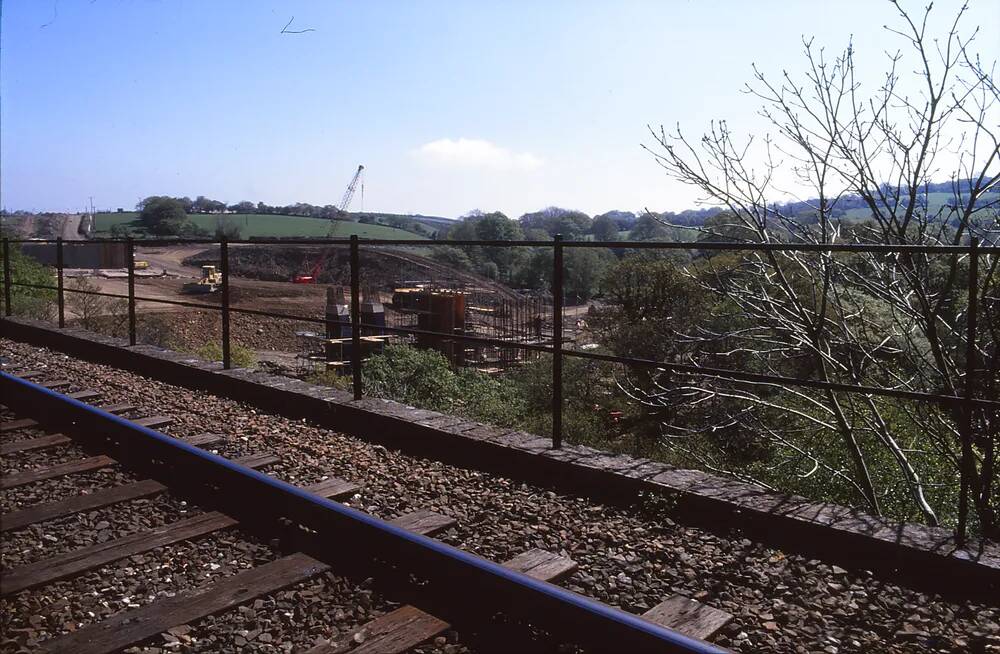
[[629, 556]]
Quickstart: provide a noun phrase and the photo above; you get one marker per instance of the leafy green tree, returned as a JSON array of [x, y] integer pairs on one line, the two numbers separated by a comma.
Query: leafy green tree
[[648, 228], [652, 309], [120, 230], [555, 220], [500, 263], [724, 227], [583, 269], [589, 403], [463, 230], [536, 271], [206, 205], [490, 399], [424, 378], [243, 207], [411, 375], [33, 302], [162, 216], [453, 257], [604, 228], [495, 226]]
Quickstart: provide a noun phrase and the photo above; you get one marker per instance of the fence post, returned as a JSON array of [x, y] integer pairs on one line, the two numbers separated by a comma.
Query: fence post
[[557, 337], [6, 277], [968, 467], [60, 298], [227, 361], [130, 260], [356, 316]]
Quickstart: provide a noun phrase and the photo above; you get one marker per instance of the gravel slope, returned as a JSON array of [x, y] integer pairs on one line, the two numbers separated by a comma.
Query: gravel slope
[[631, 557]]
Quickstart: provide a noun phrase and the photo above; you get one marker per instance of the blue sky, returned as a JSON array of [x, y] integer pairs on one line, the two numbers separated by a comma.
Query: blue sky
[[451, 106]]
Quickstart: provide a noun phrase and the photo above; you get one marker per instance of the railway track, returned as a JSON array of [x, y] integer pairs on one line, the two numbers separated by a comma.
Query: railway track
[[495, 607]]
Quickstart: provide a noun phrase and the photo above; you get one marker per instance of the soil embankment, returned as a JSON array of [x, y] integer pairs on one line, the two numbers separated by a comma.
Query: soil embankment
[[383, 268]]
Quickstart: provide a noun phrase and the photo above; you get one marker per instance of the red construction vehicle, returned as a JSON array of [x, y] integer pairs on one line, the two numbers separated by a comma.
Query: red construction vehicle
[[313, 275]]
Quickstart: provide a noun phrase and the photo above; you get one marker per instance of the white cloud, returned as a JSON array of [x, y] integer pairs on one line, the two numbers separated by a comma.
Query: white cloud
[[476, 153]]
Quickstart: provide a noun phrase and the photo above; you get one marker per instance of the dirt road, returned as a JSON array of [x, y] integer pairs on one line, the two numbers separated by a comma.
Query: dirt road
[[171, 258], [71, 228]]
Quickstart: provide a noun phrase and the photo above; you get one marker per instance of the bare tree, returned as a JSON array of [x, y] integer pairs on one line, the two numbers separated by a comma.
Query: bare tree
[[96, 312], [895, 320]]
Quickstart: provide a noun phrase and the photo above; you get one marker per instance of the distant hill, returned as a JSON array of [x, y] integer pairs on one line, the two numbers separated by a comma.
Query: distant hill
[[426, 226], [266, 225], [848, 207], [938, 198]]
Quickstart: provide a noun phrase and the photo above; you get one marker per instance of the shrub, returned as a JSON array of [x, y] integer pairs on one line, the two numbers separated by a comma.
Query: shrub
[[32, 302], [242, 357]]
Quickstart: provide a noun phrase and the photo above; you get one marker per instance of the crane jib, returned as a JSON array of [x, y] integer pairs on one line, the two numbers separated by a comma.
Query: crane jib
[[313, 275]]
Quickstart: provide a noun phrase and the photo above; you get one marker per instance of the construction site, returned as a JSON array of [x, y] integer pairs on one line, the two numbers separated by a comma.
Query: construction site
[[405, 296], [429, 306]]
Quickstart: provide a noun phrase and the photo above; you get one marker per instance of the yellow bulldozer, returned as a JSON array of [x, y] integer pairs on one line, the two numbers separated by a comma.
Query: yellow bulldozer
[[210, 282]]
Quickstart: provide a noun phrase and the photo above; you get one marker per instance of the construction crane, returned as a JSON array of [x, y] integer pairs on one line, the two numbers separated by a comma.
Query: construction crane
[[345, 202]]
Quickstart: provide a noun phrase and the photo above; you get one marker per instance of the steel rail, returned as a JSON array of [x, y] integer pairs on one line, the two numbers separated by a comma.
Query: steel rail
[[564, 614], [634, 245], [180, 303], [723, 373]]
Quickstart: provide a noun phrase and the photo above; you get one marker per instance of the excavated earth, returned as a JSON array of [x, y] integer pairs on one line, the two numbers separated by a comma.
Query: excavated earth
[[629, 556]]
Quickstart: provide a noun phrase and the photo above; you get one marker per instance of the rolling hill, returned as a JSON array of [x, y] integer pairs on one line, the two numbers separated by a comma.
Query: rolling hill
[[266, 225]]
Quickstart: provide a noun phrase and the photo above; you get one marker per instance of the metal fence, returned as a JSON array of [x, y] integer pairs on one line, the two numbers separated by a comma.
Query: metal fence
[[967, 400]]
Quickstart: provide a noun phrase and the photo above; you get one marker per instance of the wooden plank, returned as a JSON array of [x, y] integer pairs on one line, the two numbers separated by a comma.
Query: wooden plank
[[73, 467], [393, 633], [544, 565], [131, 627], [424, 522], [31, 374], [85, 395], [334, 488], [204, 440], [20, 423], [80, 503], [53, 440], [689, 617], [57, 384], [87, 558], [118, 409], [97, 500], [408, 627], [259, 460], [28, 422], [154, 422], [23, 423], [40, 443]]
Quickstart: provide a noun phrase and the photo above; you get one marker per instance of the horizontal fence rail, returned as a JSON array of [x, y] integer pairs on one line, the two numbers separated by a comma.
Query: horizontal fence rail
[[967, 399], [619, 245]]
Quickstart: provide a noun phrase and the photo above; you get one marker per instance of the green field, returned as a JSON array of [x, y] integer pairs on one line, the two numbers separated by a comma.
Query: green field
[[265, 225], [934, 203]]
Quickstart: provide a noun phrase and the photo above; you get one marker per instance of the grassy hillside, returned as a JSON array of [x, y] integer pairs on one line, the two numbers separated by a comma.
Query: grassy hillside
[[265, 225], [420, 224], [934, 202]]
